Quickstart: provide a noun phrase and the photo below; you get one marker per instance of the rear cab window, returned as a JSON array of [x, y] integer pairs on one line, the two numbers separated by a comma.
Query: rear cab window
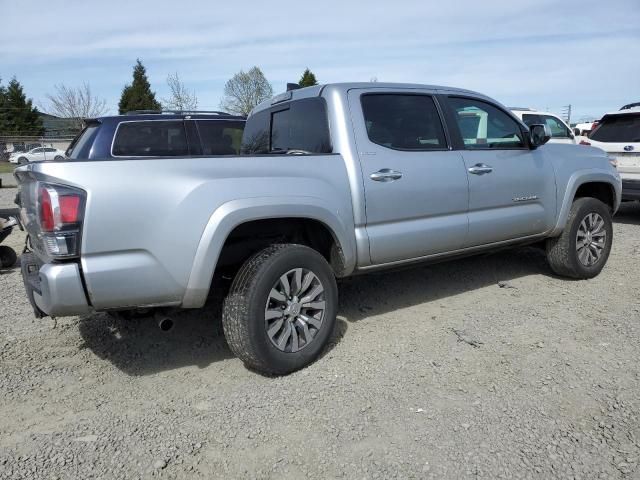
[[622, 128], [296, 125], [153, 138]]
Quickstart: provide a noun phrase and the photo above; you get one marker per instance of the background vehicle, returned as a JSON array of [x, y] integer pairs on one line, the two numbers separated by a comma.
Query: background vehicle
[[618, 134], [335, 180], [584, 129], [158, 134], [560, 131], [37, 155], [630, 105]]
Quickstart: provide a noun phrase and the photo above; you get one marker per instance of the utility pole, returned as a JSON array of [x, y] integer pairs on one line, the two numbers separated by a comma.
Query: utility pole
[[566, 113]]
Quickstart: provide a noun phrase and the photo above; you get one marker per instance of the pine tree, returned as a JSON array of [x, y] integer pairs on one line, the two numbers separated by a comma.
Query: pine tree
[[138, 95], [18, 116], [308, 79]]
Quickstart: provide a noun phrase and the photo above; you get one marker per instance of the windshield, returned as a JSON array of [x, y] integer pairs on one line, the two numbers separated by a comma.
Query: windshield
[[618, 128]]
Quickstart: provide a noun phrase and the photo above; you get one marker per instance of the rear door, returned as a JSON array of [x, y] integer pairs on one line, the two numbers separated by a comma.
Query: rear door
[[415, 186], [512, 190]]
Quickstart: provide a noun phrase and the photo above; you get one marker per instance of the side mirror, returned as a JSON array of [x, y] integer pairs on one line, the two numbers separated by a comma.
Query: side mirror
[[576, 132], [539, 135]]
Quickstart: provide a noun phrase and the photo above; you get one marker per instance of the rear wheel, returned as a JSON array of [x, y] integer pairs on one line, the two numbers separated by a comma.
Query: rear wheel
[[8, 256], [584, 246], [281, 309]]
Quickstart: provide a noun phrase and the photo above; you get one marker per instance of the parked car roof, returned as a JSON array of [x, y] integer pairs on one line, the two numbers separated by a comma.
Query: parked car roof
[[625, 111], [166, 115]]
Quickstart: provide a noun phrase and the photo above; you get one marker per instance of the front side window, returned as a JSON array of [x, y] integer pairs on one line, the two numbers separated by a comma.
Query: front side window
[[403, 121], [37, 150], [618, 128], [150, 139], [484, 126], [220, 137]]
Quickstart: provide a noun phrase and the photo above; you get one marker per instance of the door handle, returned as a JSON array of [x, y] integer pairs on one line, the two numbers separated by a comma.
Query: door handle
[[480, 169], [385, 175]]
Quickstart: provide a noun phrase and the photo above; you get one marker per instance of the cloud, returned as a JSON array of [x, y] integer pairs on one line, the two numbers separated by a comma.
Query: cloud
[[544, 53]]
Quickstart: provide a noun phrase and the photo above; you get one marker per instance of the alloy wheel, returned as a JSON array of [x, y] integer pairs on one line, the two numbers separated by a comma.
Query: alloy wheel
[[295, 310]]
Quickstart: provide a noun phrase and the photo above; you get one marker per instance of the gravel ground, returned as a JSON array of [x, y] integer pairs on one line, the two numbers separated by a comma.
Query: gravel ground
[[488, 367]]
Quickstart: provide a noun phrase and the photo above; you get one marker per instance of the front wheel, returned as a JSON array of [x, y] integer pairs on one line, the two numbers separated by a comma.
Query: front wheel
[[23, 161], [281, 309], [582, 250], [59, 158]]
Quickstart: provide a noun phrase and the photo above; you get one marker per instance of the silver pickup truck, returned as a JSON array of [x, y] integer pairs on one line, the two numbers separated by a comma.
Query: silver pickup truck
[[332, 181]]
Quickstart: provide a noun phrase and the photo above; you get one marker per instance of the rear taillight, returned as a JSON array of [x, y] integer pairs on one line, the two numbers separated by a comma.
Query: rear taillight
[[584, 142], [60, 214]]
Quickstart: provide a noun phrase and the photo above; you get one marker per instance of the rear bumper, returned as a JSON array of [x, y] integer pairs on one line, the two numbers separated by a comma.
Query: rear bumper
[[53, 289], [630, 189]]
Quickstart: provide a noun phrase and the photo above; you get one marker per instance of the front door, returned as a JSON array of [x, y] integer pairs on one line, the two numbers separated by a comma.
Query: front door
[[512, 190], [416, 187]]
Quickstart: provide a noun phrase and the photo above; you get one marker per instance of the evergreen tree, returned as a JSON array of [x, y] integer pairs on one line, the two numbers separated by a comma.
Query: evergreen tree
[[18, 116], [138, 95], [308, 79]]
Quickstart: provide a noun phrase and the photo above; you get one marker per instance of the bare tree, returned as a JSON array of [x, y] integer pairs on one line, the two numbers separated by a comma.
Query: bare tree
[[244, 91], [181, 98], [75, 103]]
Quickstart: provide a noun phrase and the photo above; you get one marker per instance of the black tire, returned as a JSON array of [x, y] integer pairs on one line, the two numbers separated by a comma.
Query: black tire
[[8, 257], [58, 158], [22, 161], [562, 251], [243, 316]]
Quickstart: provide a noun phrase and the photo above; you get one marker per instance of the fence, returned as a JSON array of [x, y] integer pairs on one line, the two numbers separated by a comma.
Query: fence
[[10, 144]]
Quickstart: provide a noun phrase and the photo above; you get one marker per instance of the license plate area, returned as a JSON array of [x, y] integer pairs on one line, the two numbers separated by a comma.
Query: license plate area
[[627, 161]]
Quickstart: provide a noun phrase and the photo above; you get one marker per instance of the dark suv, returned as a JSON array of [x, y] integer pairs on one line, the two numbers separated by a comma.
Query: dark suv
[[158, 134]]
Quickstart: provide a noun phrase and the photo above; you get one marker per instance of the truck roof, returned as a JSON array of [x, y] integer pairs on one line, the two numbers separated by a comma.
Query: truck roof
[[317, 90]]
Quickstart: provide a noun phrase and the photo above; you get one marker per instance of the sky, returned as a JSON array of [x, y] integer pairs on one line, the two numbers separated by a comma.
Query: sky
[[543, 54]]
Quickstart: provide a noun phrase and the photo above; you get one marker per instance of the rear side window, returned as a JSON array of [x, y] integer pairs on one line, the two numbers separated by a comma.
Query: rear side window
[[403, 122], [298, 125], [220, 137], [618, 128], [150, 139], [484, 126], [81, 145], [556, 126]]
